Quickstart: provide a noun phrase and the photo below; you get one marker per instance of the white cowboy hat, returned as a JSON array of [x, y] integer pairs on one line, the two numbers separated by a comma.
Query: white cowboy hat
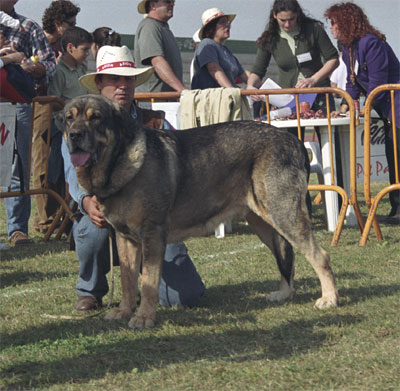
[[142, 7], [211, 14], [115, 60]]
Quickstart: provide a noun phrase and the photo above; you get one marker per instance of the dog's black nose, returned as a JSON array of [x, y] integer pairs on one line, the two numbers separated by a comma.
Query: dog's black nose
[[75, 135]]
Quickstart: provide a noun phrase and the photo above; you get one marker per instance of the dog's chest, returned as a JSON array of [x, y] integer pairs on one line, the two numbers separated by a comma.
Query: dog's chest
[[125, 217]]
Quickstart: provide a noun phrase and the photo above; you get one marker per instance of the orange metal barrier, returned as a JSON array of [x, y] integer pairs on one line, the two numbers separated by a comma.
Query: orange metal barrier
[[51, 100], [346, 201], [373, 203]]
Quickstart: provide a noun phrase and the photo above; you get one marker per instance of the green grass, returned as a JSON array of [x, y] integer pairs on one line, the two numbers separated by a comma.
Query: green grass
[[235, 340]]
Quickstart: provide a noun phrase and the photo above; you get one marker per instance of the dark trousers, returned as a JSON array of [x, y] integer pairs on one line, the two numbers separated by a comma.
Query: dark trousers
[[394, 196]]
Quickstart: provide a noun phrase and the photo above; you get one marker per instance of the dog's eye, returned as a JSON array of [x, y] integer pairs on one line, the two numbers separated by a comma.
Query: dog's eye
[[69, 117], [94, 116]]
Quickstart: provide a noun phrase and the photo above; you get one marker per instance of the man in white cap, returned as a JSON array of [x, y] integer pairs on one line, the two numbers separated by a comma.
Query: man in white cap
[[156, 45], [116, 78]]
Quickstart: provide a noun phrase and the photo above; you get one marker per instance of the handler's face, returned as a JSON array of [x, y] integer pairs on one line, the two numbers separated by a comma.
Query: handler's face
[[120, 89]]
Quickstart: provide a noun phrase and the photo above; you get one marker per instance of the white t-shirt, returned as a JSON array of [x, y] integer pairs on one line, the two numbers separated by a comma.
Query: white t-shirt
[[339, 75]]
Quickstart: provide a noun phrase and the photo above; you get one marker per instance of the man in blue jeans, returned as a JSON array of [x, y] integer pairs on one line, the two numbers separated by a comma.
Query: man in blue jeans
[[31, 41], [116, 78]]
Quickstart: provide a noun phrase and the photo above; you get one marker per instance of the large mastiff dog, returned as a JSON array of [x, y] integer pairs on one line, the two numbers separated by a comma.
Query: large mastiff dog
[[157, 186]]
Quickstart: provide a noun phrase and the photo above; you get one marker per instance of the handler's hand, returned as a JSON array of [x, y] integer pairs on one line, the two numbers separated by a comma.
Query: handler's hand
[[91, 206], [305, 83]]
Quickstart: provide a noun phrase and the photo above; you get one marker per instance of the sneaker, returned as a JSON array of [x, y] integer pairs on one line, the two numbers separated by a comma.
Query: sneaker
[[17, 238]]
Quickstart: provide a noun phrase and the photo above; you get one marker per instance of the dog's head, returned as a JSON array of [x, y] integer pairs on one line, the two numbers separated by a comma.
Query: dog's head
[[92, 124]]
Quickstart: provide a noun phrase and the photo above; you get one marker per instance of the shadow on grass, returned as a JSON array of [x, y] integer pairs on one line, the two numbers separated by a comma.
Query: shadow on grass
[[16, 278], [220, 306], [32, 250], [139, 353], [224, 308]]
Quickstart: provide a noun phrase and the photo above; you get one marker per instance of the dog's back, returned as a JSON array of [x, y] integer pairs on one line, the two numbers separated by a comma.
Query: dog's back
[[234, 159]]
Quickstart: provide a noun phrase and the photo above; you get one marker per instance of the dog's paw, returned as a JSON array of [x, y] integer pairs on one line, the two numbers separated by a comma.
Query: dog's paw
[[119, 314], [141, 322], [281, 296], [326, 302]]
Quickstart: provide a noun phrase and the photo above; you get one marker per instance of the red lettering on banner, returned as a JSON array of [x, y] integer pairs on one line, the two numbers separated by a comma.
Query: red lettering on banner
[[360, 170], [379, 167], [3, 133]]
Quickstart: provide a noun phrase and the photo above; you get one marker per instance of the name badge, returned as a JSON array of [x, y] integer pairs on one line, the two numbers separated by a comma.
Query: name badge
[[304, 57], [356, 66]]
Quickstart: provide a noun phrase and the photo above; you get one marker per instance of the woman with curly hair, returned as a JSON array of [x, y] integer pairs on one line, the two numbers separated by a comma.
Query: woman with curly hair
[[57, 17], [370, 62], [297, 43]]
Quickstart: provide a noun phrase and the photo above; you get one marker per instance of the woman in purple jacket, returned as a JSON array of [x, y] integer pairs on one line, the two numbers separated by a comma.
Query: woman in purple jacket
[[370, 62]]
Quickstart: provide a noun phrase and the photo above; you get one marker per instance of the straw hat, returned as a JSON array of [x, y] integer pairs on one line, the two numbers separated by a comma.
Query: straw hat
[[211, 14], [142, 7], [114, 60]]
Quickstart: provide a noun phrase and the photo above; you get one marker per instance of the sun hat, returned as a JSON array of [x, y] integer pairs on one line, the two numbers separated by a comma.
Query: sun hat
[[210, 15], [115, 60], [142, 7]]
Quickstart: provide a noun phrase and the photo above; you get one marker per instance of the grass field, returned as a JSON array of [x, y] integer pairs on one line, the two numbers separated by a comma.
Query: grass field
[[235, 340]]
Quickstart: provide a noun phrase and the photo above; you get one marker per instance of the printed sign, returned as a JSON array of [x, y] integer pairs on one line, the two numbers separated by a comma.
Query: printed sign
[[379, 166]]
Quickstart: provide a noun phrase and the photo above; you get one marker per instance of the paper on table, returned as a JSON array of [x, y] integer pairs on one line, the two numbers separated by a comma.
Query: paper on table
[[276, 100]]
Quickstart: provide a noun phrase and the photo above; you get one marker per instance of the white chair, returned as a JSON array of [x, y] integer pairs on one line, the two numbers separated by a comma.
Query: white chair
[[316, 159], [220, 230]]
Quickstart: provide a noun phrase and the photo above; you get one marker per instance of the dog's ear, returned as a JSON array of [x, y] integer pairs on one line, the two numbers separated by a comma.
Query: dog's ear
[[124, 121]]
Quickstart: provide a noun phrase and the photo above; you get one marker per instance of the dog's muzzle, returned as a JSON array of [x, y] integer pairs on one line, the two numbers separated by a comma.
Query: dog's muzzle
[[76, 140]]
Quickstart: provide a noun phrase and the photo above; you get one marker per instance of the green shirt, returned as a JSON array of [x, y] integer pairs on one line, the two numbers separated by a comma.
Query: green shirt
[[65, 83], [154, 38], [317, 44]]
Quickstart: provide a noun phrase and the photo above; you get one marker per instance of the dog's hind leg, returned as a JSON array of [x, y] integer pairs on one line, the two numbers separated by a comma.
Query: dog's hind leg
[[129, 258], [295, 226], [283, 253]]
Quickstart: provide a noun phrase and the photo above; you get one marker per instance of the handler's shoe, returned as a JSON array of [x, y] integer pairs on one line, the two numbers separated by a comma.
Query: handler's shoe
[[17, 238], [88, 303]]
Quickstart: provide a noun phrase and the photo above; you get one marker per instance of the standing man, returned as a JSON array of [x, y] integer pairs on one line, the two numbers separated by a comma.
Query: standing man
[[57, 18], [32, 42], [116, 78], [155, 45]]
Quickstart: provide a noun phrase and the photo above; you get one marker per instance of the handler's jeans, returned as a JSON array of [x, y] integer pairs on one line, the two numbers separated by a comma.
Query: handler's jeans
[[180, 284], [18, 209]]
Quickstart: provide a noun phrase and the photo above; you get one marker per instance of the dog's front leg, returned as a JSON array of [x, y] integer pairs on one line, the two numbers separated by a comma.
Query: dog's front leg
[[130, 255], [153, 253]]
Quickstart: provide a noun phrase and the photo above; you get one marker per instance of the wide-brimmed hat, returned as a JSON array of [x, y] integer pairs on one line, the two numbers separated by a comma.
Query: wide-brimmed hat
[[142, 7], [115, 60], [210, 15]]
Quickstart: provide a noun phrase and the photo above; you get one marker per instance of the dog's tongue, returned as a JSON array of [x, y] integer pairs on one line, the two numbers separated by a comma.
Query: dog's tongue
[[79, 158]]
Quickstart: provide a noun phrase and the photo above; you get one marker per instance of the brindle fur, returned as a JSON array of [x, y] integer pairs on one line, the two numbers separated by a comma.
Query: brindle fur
[[159, 186]]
